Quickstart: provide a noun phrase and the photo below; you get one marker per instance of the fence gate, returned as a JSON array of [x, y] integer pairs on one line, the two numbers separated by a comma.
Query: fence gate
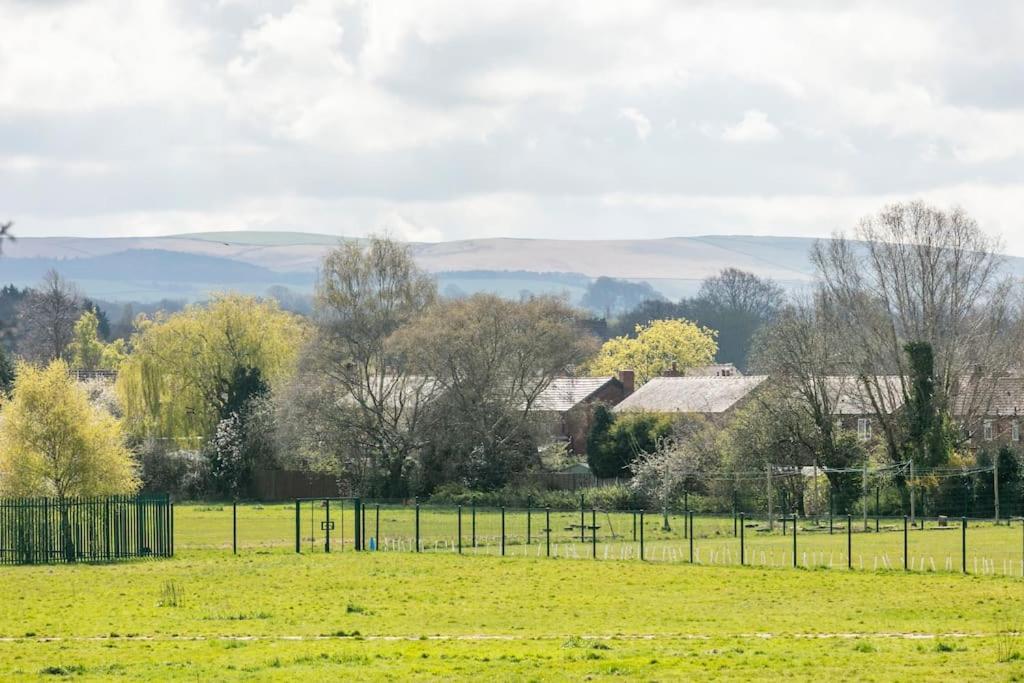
[[328, 524], [46, 530]]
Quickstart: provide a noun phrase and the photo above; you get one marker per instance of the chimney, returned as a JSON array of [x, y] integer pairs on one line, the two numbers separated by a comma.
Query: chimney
[[674, 372], [628, 382]]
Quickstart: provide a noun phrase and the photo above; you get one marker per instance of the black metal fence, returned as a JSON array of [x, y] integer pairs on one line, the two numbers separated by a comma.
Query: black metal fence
[[47, 530]]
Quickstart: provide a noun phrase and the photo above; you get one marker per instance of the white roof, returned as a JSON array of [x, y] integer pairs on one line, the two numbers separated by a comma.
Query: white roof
[[565, 392], [690, 394]]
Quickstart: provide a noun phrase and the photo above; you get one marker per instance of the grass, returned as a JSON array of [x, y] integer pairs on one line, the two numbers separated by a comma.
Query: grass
[[990, 549], [270, 614], [278, 616]]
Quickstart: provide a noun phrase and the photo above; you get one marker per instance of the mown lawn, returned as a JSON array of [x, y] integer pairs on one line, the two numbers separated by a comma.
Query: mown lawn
[[990, 549], [206, 615]]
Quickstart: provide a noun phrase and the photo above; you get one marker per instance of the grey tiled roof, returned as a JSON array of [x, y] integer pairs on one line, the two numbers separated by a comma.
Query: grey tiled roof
[[566, 392], [690, 394]]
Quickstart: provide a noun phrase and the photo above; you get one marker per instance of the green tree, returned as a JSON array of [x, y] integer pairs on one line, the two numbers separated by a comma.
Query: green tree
[[612, 449], [182, 376], [86, 347], [53, 442], [6, 372], [656, 348]]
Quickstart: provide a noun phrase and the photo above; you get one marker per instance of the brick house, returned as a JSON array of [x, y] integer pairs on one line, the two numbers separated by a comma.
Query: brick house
[[567, 404]]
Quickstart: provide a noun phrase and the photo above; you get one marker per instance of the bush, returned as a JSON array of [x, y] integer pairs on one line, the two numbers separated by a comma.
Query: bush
[[183, 474], [617, 497], [615, 441]]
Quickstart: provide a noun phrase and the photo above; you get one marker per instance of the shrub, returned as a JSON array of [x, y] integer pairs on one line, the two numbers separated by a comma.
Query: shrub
[[618, 497]]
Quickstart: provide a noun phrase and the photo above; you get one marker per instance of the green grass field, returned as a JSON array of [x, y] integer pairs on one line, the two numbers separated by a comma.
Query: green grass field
[[991, 549], [270, 614]]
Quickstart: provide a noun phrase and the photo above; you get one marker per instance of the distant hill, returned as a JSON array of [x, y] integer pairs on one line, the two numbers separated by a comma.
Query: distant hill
[[191, 266]]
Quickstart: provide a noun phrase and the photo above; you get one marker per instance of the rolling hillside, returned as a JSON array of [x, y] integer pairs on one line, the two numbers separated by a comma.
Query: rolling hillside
[[190, 266]]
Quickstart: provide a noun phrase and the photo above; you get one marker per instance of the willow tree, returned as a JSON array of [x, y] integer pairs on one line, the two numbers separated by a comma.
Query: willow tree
[[53, 442], [183, 373]]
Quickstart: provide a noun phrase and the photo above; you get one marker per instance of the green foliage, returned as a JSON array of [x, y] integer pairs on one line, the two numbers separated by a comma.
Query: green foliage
[[616, 440], [6, 372], [656, 348], [53, 442], [617, 497], [183, 372], [928, 427]]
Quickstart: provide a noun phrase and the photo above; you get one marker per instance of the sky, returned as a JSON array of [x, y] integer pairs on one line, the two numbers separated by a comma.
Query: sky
[[440, 120]]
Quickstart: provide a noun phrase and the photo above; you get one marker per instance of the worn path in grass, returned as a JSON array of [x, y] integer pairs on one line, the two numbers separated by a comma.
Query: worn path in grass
[[399, 616]]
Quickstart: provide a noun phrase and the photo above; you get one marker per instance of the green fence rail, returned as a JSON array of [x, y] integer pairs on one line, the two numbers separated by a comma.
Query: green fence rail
[[47, 530]]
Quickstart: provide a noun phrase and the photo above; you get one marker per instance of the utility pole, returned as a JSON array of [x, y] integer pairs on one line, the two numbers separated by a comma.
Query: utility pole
[[771, 522]]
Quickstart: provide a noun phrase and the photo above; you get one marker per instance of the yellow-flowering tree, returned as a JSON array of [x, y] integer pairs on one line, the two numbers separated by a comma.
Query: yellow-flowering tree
[[53, 442], [654, 349], [88, 352], [185, 369]]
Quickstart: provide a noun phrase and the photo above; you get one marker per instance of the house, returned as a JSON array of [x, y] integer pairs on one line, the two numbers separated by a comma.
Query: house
[[990, 411], [567, 404], [853, 400], [711, 396]]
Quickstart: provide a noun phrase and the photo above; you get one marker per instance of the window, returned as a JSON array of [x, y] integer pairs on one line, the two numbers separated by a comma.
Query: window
[[863, 428], [988, 430], [1015, 431]]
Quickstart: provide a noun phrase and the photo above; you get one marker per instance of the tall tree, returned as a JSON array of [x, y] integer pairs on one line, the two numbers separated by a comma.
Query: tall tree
[[916, 273], [365, 293], [53, 442], [610, 296], [48, 316], [491, 358], [184, 369], [656, 348]]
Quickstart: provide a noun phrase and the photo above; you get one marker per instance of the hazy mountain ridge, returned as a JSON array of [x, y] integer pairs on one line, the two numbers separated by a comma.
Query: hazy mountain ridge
[[191, 266]]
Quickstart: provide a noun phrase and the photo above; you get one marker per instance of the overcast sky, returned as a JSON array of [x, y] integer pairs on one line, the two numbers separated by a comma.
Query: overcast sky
[[448, 120]]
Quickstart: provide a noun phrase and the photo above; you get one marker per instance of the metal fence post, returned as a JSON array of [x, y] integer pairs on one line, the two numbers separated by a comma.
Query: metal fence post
[[849, 541], [690, 524], [963, 543], [634, 526], [547, 529], [593, 533], [641, 534], [327, 526], [376, 528], [794, 542], [904, 542], [417, 527], [460, 530], [582, 521], [529, 524], [742, 543], [503, 531], [234, 527], [357, 509], [472, 512]]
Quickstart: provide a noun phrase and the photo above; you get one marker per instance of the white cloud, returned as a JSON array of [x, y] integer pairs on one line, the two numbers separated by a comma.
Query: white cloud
[[451, 118], [641, 123], [755, 127]]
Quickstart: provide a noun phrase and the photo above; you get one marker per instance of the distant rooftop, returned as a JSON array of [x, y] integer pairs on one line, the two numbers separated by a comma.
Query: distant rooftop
[[690, 394], [565, 392]]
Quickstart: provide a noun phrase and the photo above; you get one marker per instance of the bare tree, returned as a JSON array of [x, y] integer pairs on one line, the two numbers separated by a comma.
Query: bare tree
[[48, 317], [741, 291], [364, 295], [915, 273], [491, 359]]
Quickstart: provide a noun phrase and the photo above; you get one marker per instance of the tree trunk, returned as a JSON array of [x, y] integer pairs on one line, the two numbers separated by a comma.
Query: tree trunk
[[67, 541]]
